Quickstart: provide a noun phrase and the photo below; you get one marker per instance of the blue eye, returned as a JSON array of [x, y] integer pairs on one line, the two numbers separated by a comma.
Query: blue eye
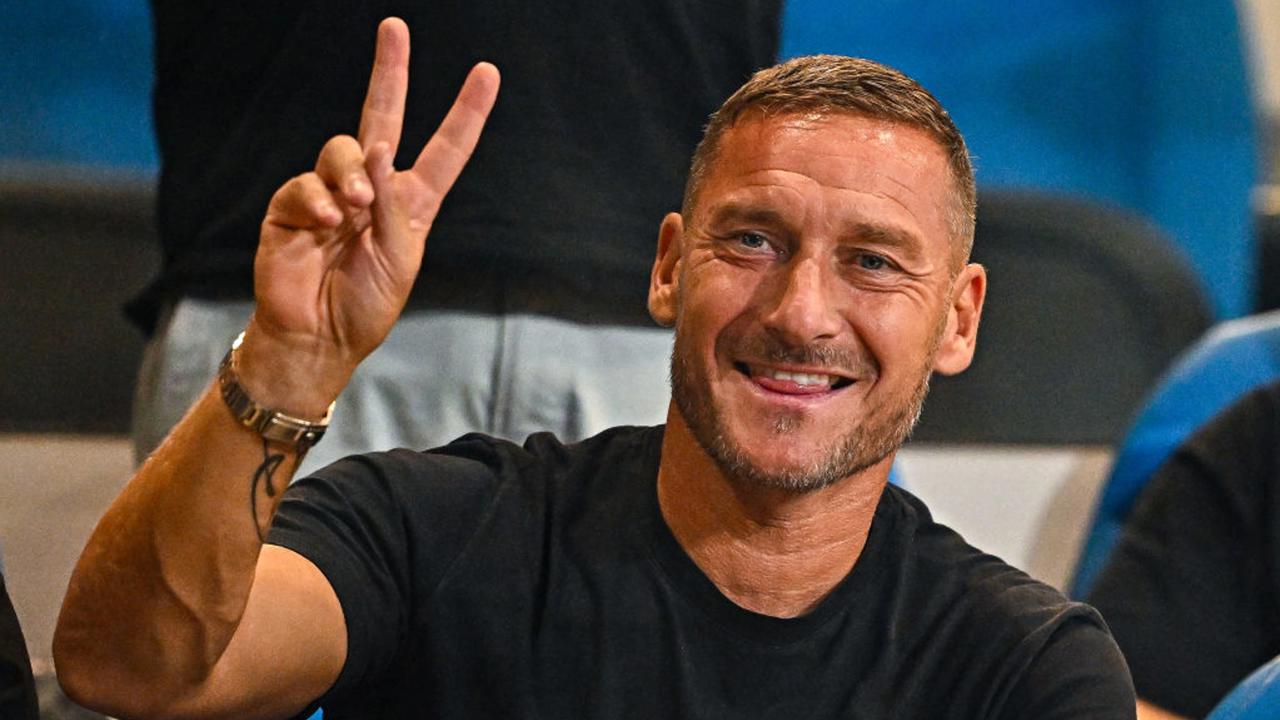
[[755, 241], [872, 262]]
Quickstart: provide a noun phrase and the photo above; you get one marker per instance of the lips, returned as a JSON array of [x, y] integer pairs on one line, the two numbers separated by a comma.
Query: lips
[[809, 381]]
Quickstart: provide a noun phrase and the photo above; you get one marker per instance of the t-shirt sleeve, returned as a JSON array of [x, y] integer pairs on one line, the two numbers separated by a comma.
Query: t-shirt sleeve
[[1190, 590], [1078, 674], [383, 529]]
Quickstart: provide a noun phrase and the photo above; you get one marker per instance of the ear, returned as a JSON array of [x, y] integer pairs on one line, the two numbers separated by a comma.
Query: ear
[[955, 350], [664, 280]]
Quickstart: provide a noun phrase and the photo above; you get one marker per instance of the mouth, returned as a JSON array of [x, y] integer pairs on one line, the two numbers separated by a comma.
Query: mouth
[[793, 381]]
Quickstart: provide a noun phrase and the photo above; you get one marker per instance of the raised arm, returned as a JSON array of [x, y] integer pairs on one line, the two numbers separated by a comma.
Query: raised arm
[[176, 608]]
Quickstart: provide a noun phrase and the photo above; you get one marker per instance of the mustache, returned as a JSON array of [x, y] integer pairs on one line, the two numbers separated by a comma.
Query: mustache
[[842, 360]]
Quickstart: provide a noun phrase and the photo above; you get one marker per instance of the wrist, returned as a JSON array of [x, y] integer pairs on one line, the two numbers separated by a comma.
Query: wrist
[[301, 379], [270, 423]]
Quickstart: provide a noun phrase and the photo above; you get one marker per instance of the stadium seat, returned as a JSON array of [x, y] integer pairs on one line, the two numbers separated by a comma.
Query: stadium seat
[[1234, 357], [1257, 697]]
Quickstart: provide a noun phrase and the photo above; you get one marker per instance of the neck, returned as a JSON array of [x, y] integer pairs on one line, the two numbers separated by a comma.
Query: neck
[[771, 551]]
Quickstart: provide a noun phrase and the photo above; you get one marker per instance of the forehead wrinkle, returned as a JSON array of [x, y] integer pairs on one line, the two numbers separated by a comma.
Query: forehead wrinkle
[[745, 198]]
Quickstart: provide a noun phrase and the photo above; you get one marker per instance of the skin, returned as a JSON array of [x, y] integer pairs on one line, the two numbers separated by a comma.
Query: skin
[[1147, 711], [176, 609], [825, 238]]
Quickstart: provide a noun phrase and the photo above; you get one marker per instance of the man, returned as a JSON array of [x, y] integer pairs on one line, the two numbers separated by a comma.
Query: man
[[745, 560], [1191, 588]]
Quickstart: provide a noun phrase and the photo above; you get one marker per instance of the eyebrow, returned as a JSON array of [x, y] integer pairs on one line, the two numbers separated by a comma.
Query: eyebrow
[[739, 212], [887, 235]]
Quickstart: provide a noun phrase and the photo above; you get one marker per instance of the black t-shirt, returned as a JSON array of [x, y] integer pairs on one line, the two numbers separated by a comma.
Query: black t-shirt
[[1192, 589], [17, 691], [486, 580], [601, 105]]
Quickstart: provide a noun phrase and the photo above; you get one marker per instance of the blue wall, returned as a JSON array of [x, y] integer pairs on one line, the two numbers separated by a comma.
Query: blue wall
[[75, 84]]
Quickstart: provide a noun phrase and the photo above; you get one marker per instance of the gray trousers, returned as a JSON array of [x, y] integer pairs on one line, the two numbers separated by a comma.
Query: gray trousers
[[439, 375]]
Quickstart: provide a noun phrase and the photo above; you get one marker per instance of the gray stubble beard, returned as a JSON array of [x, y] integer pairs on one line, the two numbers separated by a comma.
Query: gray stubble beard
[[866, 445]]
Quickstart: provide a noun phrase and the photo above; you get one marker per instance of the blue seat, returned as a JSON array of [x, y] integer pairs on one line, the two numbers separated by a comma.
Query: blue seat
[[1257, 697], [1231, 359]]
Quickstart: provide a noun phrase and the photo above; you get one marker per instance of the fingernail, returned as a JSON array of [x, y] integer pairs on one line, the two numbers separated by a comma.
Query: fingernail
[[357, 186]]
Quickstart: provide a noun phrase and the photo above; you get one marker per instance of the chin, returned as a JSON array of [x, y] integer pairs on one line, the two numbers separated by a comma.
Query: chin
[[804, 469], [784, 450]]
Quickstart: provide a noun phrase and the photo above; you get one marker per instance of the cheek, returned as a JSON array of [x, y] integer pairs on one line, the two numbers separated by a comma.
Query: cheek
[[715, 297], [897, 330], [709, 313]]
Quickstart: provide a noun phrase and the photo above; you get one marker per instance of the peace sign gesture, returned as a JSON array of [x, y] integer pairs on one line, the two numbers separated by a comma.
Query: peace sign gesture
[[341, 245]]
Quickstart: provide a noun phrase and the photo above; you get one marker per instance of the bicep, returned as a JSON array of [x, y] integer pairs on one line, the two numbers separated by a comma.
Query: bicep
[[288, 649]]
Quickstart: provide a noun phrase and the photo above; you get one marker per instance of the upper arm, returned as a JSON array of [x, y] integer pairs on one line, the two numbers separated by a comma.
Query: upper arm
[[288, 649]]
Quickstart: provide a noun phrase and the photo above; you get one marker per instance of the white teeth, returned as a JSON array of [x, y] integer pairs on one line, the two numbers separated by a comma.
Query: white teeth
[[802, 378]]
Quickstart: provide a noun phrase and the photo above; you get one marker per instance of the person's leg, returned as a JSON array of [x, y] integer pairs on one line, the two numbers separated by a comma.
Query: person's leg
[[578, 379], [430, 382], [178, 364]]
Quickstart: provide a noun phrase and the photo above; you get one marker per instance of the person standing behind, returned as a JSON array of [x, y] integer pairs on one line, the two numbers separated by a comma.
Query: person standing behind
[[540, 255]]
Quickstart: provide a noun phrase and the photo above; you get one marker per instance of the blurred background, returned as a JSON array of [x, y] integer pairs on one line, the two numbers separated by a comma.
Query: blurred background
[[1126, 155]]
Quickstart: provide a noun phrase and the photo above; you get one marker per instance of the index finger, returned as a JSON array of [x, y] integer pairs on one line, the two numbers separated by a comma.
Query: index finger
[[383, 113]]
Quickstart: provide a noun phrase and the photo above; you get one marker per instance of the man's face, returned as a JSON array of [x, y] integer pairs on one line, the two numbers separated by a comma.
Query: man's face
[[811, 291]]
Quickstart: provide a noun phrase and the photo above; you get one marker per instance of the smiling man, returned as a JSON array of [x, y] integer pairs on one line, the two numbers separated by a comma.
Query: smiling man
[[744, 560]]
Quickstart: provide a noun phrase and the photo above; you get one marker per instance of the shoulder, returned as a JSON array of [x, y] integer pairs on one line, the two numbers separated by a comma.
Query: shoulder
[[1014, 636], [939, 565], [471, 471]]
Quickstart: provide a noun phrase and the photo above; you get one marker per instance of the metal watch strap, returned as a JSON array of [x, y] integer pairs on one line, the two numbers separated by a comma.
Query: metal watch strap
[[270, 424]]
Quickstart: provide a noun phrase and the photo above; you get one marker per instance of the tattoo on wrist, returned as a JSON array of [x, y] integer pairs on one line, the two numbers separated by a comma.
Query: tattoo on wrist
[[265, 474]]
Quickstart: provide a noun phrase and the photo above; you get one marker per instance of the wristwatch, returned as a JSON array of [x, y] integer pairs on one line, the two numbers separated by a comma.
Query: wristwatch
[[267, 422]]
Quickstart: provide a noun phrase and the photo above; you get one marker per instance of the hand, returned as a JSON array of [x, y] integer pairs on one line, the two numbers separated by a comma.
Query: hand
[[340, 246]]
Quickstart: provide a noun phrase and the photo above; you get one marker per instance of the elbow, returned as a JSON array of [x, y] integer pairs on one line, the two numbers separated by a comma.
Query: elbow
[[85, 680], [82, 684], [90, 678]]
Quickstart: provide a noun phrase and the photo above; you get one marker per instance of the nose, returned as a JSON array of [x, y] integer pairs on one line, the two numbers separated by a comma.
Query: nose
[[805, 305]]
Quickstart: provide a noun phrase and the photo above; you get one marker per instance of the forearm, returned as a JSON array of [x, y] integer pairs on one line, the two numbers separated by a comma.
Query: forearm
[[161, 590], [163, 581]]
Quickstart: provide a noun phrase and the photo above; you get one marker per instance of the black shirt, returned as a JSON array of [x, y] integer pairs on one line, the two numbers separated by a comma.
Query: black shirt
[[17, 690], [1192, 590], [602, 102], [489, 580]]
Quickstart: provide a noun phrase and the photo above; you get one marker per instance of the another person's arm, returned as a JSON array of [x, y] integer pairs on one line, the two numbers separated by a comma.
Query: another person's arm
[[176, 607]]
